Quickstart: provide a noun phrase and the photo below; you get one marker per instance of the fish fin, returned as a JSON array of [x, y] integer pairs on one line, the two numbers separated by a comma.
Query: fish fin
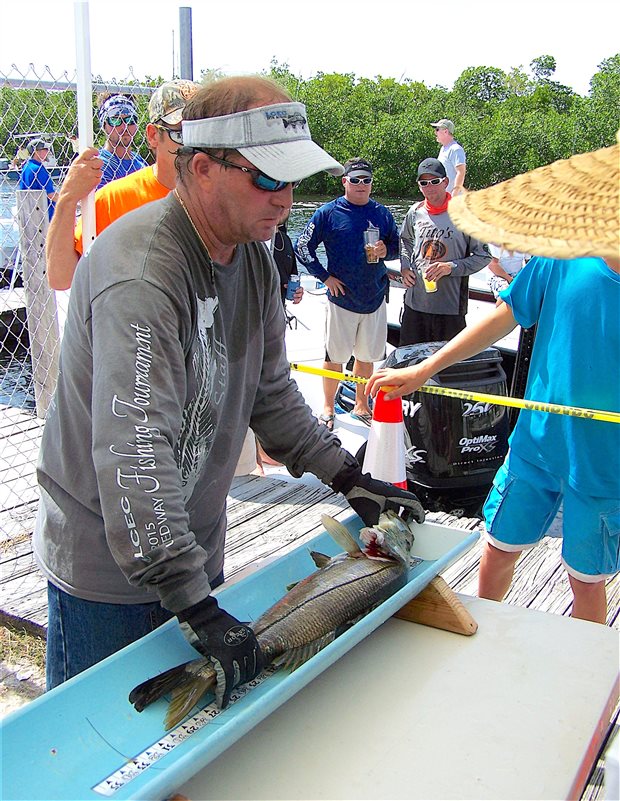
[[295, 657], [186, 696], [290, 586], [320, 559], [341, 535], [156, 687]]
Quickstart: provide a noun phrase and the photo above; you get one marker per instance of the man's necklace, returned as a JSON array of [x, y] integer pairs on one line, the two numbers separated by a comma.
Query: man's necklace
[[202, 242]]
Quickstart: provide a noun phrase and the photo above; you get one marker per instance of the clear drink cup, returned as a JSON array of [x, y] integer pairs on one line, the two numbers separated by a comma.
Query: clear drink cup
[[429, 286], [371, 237]]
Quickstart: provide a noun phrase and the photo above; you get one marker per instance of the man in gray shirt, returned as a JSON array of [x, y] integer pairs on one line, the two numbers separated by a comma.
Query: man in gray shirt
[[173, 346], [435, 261]]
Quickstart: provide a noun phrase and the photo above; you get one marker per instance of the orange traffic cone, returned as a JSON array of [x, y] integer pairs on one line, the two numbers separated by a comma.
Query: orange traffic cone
[[385, 450]]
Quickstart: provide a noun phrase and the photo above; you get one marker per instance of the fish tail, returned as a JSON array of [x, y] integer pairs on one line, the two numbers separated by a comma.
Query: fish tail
[[186, 696], [183, 680]]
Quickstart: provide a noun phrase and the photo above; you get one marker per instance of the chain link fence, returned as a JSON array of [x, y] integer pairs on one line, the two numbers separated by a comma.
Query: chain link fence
[[34, 104]]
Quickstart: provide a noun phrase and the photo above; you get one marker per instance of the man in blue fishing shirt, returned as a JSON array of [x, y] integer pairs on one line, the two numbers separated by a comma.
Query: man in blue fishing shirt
[[118, 118], [356, 279], [35, 175]]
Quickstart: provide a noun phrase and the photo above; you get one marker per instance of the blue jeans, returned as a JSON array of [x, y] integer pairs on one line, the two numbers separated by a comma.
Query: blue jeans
[[81, 633]]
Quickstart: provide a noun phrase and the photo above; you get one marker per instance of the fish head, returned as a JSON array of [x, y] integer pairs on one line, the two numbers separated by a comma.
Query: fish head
[[391, 538]]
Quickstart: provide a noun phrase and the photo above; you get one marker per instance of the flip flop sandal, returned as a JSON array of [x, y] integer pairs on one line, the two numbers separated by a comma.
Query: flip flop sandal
[[363, 418], [327, 420]]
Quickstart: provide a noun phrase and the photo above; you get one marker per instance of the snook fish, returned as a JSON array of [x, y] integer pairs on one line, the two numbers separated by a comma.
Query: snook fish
[[310, 616]]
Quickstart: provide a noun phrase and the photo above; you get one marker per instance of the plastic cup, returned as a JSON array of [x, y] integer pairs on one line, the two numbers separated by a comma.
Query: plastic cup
[[429, 286], [371, 237]]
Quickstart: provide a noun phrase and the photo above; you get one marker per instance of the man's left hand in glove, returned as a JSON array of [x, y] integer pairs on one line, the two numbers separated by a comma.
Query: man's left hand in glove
[[370, 497], [229, 644]]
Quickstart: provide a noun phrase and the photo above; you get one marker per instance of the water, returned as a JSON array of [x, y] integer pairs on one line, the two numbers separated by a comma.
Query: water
[[16, 383]]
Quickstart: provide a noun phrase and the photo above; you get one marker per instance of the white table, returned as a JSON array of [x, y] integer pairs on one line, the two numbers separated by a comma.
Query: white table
[[516, 711]]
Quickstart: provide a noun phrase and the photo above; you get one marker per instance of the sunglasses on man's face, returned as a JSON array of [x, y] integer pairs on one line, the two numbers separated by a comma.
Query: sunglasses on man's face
[[176, 134], [431, 182], [116, 122], [259, 179], [354, 181]]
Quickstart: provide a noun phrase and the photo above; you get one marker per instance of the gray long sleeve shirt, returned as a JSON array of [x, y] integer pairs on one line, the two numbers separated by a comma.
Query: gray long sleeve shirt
[[164, 365], [428, 237]]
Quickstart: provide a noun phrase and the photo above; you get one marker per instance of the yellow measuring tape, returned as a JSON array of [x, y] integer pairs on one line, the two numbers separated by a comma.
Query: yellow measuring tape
[[499, 400]]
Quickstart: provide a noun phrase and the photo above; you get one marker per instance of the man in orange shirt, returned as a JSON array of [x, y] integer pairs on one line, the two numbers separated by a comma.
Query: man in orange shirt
[[163, 133]]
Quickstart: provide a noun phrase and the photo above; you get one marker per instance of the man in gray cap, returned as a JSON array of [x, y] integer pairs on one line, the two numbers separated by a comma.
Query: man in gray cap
[[451, 155], [34, 174], [173, 346], [435, 261], [163, 133]]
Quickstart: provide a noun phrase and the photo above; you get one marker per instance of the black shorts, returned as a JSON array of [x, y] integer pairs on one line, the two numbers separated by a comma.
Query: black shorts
[[418, 326]]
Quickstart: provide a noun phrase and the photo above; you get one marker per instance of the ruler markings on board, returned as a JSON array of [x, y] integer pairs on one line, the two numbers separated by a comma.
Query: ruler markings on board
[[135, 766]]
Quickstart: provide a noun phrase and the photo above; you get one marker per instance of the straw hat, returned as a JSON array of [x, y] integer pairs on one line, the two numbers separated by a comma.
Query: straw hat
[[567, 209]]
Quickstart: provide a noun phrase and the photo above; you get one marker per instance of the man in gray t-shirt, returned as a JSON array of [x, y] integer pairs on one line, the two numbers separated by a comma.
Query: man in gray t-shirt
[[173, 346], [451, 155], [435, 261]]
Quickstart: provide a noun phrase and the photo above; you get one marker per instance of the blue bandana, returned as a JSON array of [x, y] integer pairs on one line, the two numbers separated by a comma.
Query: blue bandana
[[116, 106]]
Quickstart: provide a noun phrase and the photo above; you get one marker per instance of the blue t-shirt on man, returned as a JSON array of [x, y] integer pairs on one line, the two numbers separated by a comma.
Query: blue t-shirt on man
[[34, 175], [114, 168], [340, 226]]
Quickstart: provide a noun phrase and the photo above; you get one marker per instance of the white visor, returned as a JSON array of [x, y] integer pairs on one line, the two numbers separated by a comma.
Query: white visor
[[275, 139]]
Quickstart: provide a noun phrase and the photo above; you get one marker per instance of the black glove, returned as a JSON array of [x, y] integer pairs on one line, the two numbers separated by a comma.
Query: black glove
[[369, 497], [231, 646]]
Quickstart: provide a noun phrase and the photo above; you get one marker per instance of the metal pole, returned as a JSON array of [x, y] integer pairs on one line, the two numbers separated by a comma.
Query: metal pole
[[185, 43], [85, 109]]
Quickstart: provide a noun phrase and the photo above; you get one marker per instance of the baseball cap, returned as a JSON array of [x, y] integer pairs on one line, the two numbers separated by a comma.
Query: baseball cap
[[116, 106], [168, 101], [38, 144], [432, 167], [448, 124], [275, 138], [358, 168]]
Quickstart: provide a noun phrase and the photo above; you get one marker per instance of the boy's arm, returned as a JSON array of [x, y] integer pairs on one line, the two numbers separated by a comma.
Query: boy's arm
[[496, 268], [472, 340], [61, 255]]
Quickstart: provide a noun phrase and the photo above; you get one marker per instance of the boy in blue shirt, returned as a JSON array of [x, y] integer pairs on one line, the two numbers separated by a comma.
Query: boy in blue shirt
[[574, 299], [34, 174]]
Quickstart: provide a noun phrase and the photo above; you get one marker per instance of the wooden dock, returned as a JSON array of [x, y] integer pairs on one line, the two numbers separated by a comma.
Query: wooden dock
[[266, 516]]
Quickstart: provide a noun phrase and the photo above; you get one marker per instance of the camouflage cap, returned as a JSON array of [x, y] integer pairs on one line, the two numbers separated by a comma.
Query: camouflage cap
[[168, 101]]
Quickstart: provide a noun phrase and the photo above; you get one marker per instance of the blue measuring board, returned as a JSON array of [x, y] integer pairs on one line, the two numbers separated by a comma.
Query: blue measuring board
[[84, 740]]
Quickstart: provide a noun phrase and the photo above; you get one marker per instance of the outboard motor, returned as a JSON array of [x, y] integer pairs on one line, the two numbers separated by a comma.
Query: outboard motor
[[454, 447]]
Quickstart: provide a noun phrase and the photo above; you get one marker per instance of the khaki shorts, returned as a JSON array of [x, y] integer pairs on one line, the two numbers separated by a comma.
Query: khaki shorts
[[349, 334]]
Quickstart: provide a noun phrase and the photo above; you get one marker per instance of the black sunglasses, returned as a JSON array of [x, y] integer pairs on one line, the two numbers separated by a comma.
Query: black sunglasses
[[259, 179], [432, 182], [176, 134]]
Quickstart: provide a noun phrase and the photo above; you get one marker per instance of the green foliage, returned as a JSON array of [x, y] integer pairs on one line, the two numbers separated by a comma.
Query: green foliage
[[507, 122], [481, 85], [543, 67]]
